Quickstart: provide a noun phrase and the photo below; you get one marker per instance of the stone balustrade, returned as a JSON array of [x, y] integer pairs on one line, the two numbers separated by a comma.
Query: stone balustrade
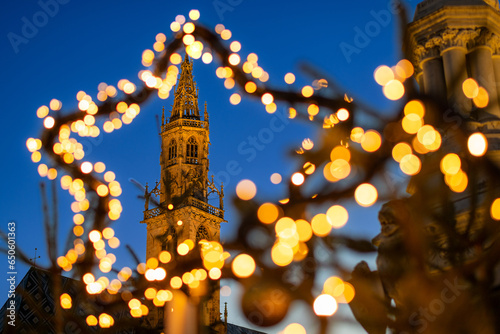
[[190, 201]]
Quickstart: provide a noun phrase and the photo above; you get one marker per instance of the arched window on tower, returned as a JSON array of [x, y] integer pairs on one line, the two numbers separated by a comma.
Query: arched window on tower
[[192, 151], [202, 234], [172, 152], [169, 243]]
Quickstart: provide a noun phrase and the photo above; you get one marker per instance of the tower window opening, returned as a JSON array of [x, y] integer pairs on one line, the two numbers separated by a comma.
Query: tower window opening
[[172, 150], [190, 110], [192, 151]]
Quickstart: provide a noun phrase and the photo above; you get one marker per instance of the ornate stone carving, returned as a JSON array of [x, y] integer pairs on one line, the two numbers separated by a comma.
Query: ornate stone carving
[[494, 43], [458, 37], [430, 49], [449, 37], [418, 54], [466, 38], [483, 37], [433, 42]]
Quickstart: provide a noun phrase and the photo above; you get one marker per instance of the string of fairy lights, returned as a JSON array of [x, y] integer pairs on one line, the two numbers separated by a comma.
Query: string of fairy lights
[[59, 154]]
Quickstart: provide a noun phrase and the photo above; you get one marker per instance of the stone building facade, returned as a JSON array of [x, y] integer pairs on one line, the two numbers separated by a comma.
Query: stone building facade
[[453, 40]]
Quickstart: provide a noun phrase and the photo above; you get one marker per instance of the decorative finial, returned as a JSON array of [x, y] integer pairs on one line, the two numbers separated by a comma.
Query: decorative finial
[[34, 259], [147, 195], [205, 116], [221, 196], [162, 115]]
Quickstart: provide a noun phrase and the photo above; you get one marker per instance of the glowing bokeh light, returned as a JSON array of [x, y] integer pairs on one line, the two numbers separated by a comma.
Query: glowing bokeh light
[[482, 99], [340, 169], [321, 225], [495, 209], [294, 329], [415, 107], [365, 194], [49, 122], [268, 213], [342, 114], [307, 91], [410, 164], [267, 98], [325, 305], [450, 164], [281, 255], [470, 88], [404, 68], [383, 74], [337, 216], [194, 14], [394, 90], [477, 144], [412, 123], [289, 78], [243, 265], [333, 286], [276, 178], [246, 190], [400, 150], [235, 99], [371, 141], [298, 178]]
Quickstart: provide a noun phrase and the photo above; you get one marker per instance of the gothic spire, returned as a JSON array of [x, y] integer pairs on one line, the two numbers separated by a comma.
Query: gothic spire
[[186, 94]]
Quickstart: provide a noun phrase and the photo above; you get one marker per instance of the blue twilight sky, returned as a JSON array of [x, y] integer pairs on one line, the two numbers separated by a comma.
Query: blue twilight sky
[[79, 44]]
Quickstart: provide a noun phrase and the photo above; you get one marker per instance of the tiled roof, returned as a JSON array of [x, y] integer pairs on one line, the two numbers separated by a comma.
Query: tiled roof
[[235, 329]]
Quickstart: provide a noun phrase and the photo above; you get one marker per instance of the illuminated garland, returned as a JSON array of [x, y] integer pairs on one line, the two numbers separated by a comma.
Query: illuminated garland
[[346, 145]]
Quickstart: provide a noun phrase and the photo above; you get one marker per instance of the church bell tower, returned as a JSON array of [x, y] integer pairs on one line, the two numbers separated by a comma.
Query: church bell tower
[[182, 211]]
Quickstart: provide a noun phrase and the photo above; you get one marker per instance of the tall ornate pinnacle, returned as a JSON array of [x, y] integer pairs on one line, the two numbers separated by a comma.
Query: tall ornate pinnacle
[[205, 116], [186, 94]]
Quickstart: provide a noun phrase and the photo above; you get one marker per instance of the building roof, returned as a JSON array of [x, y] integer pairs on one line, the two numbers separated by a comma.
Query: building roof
[[235, 329], [35, 307], [426, 7], [34, 304]]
